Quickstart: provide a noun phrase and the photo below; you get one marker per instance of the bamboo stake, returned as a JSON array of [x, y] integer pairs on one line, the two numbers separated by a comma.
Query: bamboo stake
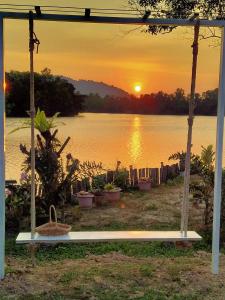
[[185, 202], [32, 116]]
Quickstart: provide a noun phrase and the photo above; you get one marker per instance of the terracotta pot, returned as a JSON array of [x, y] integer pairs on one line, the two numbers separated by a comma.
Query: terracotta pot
[[144, 185], [99, 200], [85, 201], [112, 196]]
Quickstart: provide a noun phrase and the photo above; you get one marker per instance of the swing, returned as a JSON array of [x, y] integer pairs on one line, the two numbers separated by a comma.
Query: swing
[[108, 236]]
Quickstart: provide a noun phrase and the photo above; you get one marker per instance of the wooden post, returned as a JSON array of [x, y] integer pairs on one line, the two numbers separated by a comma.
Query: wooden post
[[135, 172], [131, 176], [32, 116]]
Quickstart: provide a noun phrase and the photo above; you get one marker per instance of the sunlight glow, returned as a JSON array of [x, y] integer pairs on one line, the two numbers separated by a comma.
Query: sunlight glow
[[135, 147], [137, 88]]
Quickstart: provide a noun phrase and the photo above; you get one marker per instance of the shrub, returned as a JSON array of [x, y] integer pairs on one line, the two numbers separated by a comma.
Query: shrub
[[54, 177], [121, 178]]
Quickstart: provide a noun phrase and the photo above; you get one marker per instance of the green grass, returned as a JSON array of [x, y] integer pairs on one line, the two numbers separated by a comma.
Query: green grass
[[67, 277], [147, 270], [75, 251], [109, 294]]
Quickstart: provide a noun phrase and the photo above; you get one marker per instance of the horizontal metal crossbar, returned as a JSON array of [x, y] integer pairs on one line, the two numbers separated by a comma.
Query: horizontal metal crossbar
[[112, 20]]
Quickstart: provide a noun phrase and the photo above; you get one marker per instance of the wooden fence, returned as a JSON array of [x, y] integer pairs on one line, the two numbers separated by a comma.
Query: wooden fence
[[157, 175]]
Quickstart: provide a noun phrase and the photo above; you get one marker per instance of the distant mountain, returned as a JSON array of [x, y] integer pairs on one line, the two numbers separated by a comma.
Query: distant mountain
[[87, 87]]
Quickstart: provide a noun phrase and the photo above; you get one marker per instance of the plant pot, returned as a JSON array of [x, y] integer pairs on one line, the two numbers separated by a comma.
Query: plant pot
[[85, 201], [144, 185], [112, 196], [99, 200]]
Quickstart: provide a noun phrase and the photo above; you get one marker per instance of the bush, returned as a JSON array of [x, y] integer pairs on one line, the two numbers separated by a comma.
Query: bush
[[121, 178], [17, 204], [53, 176]]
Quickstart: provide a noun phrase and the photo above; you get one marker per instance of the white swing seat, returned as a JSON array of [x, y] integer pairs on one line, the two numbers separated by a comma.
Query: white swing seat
[[109, 236]]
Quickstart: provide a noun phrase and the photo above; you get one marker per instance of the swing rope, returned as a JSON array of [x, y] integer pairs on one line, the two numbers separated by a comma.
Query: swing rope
[[33, 40], [185, 201]]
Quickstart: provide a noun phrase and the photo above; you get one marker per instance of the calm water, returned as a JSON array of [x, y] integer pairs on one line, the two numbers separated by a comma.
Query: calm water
[[133, 139]]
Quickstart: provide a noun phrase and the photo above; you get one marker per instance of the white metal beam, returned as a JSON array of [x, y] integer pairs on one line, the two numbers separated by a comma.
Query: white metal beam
[[112, 20], [219, 161], [2, 155]]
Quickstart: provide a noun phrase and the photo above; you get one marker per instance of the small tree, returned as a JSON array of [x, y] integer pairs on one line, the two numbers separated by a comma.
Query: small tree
[[54, 176]]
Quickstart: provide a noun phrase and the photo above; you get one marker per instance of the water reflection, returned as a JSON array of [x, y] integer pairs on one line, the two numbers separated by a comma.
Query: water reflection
[[143, 141], [135, 140]]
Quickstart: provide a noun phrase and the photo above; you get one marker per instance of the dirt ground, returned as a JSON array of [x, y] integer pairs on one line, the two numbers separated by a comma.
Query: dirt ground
[[116, 276], [159, 208]]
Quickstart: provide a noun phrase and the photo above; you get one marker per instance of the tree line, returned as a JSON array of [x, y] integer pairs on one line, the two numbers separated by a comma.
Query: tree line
[[155, 103], [52, 94], [55, 94]]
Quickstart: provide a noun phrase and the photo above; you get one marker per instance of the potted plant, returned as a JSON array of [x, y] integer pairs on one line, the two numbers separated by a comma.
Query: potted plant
[[85, 199], [99, 197], [145, 183], [98, 183], [112, 192]]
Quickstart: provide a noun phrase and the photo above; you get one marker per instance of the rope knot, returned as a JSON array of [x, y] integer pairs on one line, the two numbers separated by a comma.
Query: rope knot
[[36, 41]]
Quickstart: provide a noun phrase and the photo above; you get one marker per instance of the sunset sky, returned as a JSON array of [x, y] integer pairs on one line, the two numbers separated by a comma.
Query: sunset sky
[[111, 54]]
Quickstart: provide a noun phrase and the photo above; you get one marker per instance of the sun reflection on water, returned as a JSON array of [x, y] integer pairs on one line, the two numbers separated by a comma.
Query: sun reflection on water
[[135, 140]]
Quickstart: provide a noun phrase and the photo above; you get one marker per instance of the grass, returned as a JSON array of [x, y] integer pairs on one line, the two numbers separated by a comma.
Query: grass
[[151, 294], [77, 251]]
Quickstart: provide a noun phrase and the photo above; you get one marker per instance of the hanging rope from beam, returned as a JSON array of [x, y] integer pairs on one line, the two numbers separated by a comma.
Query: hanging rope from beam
[[185, 202], [32, 41]]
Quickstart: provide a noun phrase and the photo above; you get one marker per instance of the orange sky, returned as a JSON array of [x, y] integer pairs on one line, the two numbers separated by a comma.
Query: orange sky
[[110, 54]]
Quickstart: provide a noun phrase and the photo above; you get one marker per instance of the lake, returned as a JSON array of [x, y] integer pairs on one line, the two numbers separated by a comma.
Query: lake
[[140, 140]]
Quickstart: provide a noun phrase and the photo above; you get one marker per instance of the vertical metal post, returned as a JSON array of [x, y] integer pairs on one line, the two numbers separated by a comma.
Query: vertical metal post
[[2, 154], [219, 161], [32, 116]]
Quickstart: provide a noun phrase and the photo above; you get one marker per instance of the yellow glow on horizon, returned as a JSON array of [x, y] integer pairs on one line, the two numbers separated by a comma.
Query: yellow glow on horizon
[[137, 88]]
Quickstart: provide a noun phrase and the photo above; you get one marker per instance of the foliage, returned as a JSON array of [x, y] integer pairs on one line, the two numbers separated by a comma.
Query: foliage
[[54, 177], [196, 163], [17, 205], [155, 103], [52, 94], [90, 169], [41, 122], [121, 178], [208, 9], [202, 190], [208, 157], [175, 181], [109, 187], [98, 182]]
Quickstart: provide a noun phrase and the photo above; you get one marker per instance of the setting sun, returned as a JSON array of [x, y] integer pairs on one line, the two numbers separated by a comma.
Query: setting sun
[[137, 88]]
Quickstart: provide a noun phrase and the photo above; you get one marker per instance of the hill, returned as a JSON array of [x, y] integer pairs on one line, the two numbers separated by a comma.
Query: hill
[[87, 87]]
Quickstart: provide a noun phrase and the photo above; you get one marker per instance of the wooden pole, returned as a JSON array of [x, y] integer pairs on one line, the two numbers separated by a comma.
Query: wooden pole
[[32, 116], [185, 202]]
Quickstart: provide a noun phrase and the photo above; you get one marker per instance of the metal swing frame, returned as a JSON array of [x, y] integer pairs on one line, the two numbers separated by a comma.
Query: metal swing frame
[[117, 235]]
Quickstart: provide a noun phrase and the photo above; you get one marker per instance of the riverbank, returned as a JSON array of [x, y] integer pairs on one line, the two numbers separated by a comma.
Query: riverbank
[[108, 271]]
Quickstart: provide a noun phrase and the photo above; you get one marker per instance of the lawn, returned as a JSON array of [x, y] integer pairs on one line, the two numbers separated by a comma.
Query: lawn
[[108, 271]]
